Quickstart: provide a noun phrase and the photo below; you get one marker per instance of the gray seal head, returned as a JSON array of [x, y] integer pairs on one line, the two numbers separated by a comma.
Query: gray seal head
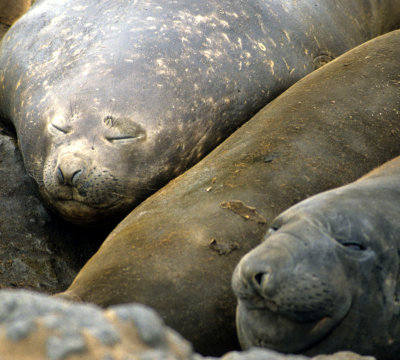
[[326, 276]]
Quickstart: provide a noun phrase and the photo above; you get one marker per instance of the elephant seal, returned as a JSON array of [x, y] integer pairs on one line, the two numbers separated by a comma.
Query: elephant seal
[[177, 250], [111, 100], [326, 277]]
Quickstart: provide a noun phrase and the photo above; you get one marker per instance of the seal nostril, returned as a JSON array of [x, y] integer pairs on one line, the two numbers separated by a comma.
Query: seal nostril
[[258, 278], [264, 283], [60, 176], [69, 174], [75, 177]]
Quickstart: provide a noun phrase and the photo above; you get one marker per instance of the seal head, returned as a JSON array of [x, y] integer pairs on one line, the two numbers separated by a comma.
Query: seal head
[[87, 176], [93, 163], [325, 276]]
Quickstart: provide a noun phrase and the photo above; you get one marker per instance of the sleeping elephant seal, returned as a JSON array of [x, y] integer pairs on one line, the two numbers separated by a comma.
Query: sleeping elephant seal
[[326, 277], [112, 99], [176, 252]]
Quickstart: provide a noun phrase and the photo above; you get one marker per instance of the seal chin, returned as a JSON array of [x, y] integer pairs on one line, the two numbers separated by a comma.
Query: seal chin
[[264, 327], [80, 213]]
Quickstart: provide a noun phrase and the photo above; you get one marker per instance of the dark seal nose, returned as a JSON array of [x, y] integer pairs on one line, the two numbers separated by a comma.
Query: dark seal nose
[[260, 277], [70, 170], [68, 178], [263, 270]]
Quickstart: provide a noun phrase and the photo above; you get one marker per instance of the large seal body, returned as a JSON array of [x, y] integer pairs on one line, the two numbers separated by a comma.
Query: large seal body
[[326, 277], [177, 250], [110, 100]]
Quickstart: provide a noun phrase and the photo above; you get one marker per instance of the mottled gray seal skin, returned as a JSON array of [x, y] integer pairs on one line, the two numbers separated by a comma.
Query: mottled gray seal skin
[[177, 250], [326, 277], [110, 100]]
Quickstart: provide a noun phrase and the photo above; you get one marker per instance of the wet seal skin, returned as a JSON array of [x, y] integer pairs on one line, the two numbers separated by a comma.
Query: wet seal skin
[[112, 99], [177, 250], [326, 277]]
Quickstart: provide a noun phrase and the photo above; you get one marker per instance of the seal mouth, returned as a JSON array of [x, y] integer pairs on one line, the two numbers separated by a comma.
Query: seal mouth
[[81, 213], [265, 326], [79, 203], [315, 330], [87, 210], [260, 304], [70, 197]]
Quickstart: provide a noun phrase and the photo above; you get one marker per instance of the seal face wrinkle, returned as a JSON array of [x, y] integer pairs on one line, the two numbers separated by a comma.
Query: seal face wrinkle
[[112, 100]]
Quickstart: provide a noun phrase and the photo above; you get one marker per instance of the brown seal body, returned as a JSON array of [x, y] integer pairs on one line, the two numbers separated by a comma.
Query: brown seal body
[[10, 11], [112, 99], [326, 277], [178, 249]]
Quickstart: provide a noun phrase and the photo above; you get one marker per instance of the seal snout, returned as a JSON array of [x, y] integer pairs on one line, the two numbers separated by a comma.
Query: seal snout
[[68, 177], [70, 170], [264, 281], [258, 276]]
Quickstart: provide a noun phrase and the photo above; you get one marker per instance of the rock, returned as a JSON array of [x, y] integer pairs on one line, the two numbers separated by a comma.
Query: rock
[[35, 326]]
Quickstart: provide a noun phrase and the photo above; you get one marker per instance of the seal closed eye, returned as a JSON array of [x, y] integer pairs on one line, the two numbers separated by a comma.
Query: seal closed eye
[[123, 131]]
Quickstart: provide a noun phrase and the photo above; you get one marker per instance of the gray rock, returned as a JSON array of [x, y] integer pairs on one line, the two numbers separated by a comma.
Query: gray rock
[[37, 326]]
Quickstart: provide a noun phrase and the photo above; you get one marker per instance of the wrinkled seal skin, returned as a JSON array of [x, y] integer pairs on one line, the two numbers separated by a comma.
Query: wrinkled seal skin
[[110, 100], [326, 277], [177, 250]]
